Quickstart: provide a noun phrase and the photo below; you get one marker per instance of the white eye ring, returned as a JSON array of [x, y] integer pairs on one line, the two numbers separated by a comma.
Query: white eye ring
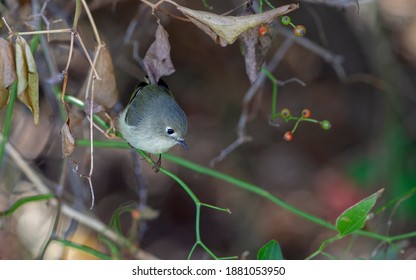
[[169, 130]]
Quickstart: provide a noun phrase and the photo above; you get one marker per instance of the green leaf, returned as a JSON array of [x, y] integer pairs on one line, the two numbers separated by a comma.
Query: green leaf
[[354, 217], [270, 251]]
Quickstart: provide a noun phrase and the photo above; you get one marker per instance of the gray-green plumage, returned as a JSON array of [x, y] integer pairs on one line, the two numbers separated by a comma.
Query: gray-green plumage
[[153, 121]]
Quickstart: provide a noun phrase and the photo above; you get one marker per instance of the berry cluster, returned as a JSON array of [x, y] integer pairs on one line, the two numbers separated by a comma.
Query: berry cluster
[[298, 30], [305, 116]]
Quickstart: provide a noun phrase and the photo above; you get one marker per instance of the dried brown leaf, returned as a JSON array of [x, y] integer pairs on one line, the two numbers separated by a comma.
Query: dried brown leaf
[[249, 41], [68, 141], [7, 69], [255, 47], [225, 30], [27, 77], [4, 97], [105, 90], [157, 60]]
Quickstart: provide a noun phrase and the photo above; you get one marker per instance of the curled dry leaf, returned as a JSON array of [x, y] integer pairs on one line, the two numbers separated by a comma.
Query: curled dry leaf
[[157, 60], [27, 77], [4, 97], [68, 141], [105, 90], [225, 30], [7, 70], [255, 46]]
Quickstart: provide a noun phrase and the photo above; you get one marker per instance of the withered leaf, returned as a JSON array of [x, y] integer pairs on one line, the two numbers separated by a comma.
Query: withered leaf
[[105, 90], [27, 77], [255, 47], [249, 41], [68, 141], [225, 30], [7, 71], [4, 97], [157, 60]]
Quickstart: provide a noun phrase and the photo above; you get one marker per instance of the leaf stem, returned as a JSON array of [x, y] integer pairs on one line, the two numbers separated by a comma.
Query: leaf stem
[[251, 188], [84, 248], [23, 201], [8, 121]]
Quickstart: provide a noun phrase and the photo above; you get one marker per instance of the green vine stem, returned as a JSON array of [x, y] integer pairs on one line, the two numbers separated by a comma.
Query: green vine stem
[[23, 201], [8, 120], [83, 248], [251, 188], [198, 203]]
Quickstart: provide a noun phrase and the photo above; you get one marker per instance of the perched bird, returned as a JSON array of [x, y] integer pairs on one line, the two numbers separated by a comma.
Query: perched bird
[[152, 120]]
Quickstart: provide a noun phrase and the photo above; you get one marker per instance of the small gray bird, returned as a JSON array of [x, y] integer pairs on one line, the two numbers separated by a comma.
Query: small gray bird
[[152, 120]]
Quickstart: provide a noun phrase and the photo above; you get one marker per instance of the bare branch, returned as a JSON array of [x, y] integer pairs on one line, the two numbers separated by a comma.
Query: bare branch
[[85, 219], [251, 92]]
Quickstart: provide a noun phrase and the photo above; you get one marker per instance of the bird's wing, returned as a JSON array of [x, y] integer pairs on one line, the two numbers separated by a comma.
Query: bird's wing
[[138, 88]]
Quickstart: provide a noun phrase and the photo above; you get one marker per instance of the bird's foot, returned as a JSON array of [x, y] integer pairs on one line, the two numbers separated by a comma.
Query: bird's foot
[[157, 164]]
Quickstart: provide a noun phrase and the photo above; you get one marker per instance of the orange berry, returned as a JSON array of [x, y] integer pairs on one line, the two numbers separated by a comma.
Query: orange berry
[[288, 136], [135, 214], [306, 113], [263, 29], [299, 30]]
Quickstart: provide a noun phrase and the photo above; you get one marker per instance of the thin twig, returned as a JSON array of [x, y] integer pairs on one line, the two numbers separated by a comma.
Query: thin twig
[[142, 191], [84, 219], [47, 54], [335, 60], [155, 7], [251, 92], [91, 84], [235, 9], [229, 149], [71, 50], [87, 55], [64, 30], [92, 22], [7, 25]]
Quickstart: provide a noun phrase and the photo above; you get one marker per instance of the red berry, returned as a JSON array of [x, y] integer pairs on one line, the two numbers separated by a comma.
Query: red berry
[[263, 29], [288, 136], [306, 113], [299, 31]]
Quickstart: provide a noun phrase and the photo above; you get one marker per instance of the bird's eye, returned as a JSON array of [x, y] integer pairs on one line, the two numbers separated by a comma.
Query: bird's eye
[[170, 130]]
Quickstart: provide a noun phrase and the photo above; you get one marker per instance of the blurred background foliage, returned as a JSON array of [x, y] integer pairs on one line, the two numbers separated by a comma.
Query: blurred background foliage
[[371, 144]]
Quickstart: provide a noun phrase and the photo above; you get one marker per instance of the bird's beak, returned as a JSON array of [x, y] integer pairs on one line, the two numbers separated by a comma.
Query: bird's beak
[[183, 144]]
